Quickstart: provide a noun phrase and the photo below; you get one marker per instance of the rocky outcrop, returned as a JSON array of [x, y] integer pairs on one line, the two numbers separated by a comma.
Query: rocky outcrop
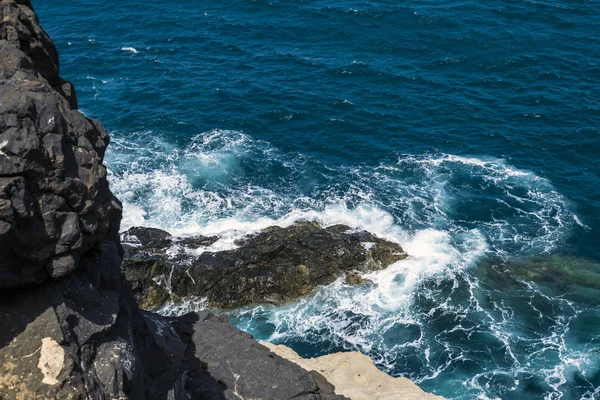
[[274, 266], [355, 376], [55, 204], [70, 327]]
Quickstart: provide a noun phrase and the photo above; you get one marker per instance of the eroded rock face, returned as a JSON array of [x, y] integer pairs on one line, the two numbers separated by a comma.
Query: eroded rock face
[[274, 266], [69, 324], [55, 204]]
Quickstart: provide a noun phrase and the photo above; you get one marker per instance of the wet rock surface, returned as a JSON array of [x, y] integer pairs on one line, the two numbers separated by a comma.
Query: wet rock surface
[[274, 266]]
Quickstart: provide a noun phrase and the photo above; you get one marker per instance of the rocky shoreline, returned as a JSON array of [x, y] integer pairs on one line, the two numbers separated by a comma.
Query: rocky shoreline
[[71, 325]]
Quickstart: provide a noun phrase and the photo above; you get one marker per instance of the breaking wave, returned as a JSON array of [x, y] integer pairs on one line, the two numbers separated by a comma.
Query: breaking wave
[[434, 317]]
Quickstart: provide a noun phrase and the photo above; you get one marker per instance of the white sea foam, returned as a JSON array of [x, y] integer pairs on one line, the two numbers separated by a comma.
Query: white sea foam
[[420, 202], [201, 189], [578, 222], [130, 49]]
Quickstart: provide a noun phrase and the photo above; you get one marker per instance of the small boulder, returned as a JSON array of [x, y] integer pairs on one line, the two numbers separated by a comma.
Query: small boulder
[[354, 278]]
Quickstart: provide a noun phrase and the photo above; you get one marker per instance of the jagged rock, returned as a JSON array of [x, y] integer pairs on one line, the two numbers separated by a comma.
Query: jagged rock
[[273, 266], [155, 240], [55, 203], [70, 326], [110, 349], [355, 376]]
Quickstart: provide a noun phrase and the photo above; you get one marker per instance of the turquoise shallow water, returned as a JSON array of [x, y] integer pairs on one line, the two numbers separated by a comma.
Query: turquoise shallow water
[[466, 131]]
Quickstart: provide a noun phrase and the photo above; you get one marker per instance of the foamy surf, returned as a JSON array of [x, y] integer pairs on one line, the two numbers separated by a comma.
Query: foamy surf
[[477, 150], [130, 49], [448, 212], [203, 189]]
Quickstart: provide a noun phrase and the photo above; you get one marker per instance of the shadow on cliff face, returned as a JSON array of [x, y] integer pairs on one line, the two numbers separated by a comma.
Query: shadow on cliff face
[[199, 384], [104, 345], [226, 363], [90, 294], [19, 308]]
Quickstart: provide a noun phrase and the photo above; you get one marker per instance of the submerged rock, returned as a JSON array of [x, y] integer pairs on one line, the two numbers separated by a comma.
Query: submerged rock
[[355, 376], [573, 277], [560, 271], [274, 266]]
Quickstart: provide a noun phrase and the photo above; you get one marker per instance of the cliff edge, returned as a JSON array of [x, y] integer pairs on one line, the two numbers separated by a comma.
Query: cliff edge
[[70, 326], [355, 376]]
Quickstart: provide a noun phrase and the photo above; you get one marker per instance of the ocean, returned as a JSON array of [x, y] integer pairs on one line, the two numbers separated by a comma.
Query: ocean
[[466, 131]]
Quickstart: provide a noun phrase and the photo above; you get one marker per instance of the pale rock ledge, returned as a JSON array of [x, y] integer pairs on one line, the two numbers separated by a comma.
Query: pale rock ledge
[[355, 376]]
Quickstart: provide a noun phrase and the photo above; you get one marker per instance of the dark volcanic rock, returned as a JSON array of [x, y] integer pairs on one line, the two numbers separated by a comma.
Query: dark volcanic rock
[[274, 266], [247, 369], [70, 326], [55, 204], [147, 265]]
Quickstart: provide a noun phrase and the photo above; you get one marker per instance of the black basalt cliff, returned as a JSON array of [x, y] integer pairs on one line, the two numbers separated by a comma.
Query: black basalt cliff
[[69, 325], [55, 205]]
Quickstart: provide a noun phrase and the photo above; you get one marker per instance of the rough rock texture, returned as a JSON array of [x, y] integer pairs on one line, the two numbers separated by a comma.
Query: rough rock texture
[[55, 204], [274, 266], [355, 376], [70, 326]]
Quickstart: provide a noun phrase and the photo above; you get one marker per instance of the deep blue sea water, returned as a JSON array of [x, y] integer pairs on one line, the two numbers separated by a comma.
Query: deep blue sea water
[[467, 131]]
